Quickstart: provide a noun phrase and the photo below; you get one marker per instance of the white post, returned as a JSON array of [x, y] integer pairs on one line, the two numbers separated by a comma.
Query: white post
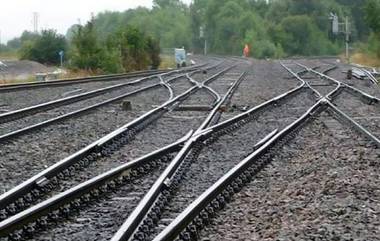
[[205, 49], [347, 40]]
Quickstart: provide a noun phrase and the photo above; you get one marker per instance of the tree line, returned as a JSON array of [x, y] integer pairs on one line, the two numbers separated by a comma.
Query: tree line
[[131, 40]]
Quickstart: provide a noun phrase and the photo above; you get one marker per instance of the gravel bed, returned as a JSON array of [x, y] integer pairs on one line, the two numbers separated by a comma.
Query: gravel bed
[[213, 163], [204, 97], [323, 185], [222, 84], [20, 99], [180, 86], [31, 153], [341, 74], [200, 97], [102, 219], [184, 84], [46, 115], [166, 130], [264, 81], [366, 115]]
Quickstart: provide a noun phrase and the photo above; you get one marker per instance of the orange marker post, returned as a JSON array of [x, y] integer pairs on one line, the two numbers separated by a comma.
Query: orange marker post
[[246, 51]]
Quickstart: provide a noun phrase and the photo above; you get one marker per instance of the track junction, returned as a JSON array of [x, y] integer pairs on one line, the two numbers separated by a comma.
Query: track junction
[[230, 149]]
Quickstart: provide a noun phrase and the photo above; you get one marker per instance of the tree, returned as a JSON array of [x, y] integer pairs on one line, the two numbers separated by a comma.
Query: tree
[[167, 4], [26, 36], [86, 52], [153, 48], [44, 48], [372, 17], [137, 50], [299, 35]]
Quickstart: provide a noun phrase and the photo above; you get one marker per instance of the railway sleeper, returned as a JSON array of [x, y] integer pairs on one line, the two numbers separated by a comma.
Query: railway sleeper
[[36, 194], [102, 150], [154, 214], [145, 229], [204, 218], [75, 204]]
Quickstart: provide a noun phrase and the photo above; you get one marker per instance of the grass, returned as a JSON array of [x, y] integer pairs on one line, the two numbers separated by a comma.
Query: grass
[[18, 81], [365, 60], [167, 62], [9, 56], [78, 74]]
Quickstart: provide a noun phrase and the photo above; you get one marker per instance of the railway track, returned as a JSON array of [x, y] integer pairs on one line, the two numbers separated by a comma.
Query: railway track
[[267, 80], [188, 224], [55, 139], [145, 116], [209, 79], [176, 186], [74, 81], [52, 104], [304, 195], [159, 187], [340, 74], [46, 118]]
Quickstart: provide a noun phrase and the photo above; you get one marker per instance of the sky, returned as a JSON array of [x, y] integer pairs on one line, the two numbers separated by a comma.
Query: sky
[[17, 15]]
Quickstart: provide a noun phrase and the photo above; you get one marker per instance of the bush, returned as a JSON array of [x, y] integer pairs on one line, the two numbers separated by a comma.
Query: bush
[[44, 48], [127, 50], [266, 49]]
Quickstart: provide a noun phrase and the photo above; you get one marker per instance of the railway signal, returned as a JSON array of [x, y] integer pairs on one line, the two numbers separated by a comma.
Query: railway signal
[[203, 36], [61, 54], [342, 28]]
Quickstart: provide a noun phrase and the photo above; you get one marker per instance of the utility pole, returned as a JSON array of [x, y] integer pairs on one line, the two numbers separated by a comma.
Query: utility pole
[[35, 22], [202, 35], [346, 30]]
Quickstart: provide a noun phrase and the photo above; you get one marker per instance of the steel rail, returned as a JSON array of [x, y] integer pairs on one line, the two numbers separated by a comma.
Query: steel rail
[[197, 213], [213, 118], [330, 95], [208, 89], [323, 76], [167, 86], [257, 109], [75, 194], [347, 119], [42, 124], [98, 148], [340, 114], [370, 77], [232, 180], [132, 223], [16, 114], [73, 81], [28, 129], [351, 89]]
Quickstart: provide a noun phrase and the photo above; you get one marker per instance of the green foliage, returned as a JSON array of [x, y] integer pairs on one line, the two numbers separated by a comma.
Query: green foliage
[[127, 49], [281, 28], [86, 52], [26, 36], [44, 48], [372, 17], [153, 48], [168, 22]]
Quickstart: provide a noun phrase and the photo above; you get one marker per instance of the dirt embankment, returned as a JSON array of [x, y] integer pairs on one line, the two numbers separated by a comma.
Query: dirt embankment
[[20, 70]]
